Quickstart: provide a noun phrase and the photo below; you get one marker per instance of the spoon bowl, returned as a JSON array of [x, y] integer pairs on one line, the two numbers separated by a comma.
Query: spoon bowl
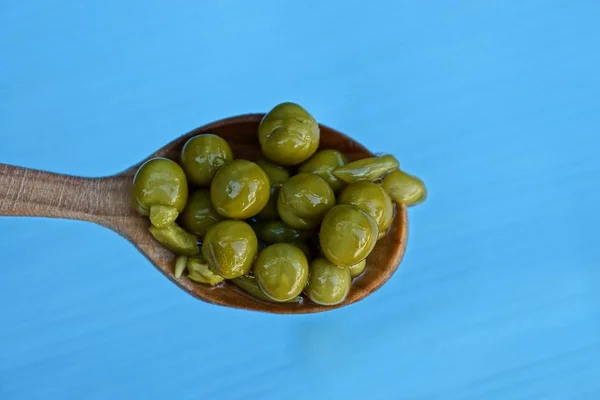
[[106, 201]]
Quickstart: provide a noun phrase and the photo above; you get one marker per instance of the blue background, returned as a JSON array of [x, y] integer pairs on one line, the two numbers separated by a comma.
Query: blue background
[[495, 104]]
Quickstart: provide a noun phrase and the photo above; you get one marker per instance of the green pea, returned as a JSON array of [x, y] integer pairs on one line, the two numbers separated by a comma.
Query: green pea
[[159, 181], [230, 247], [199, 214], [281, 271], [328, 283], [288, 134], [367, 169], [240, 189], [303, 201], [404, 188], [202, 156], [347, 235], [372, 199]]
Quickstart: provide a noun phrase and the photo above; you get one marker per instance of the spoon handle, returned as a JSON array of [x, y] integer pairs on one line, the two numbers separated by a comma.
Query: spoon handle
[[34, 193]]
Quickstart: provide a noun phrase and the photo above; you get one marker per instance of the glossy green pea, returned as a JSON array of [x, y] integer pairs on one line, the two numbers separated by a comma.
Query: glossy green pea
[[357, 269], [322, 163], [328, 283], [199, 214], [176, 239], [278, 232], [240, 189], [303, 201], [159, 181], [404, 188], [372, 199], [347, 235], [249, 285], [281, 271], [229, 248], [288, 134], [201, 157], [277, 174], [367, 169]]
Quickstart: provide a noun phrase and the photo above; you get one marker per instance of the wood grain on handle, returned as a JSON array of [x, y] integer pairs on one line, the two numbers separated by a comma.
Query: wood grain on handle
[[29, 192]]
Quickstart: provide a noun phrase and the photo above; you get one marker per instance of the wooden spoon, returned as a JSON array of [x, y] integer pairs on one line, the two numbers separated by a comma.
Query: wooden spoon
[[106, 201]]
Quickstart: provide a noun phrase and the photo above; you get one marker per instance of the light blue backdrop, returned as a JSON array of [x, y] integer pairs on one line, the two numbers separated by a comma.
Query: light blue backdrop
[[494, 103]]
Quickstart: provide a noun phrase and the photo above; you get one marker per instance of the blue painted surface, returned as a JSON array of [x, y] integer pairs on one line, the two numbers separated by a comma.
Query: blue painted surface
[[493, 103]]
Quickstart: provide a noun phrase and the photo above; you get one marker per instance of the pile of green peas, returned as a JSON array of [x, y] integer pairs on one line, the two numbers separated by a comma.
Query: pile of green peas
[[300, 221]]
